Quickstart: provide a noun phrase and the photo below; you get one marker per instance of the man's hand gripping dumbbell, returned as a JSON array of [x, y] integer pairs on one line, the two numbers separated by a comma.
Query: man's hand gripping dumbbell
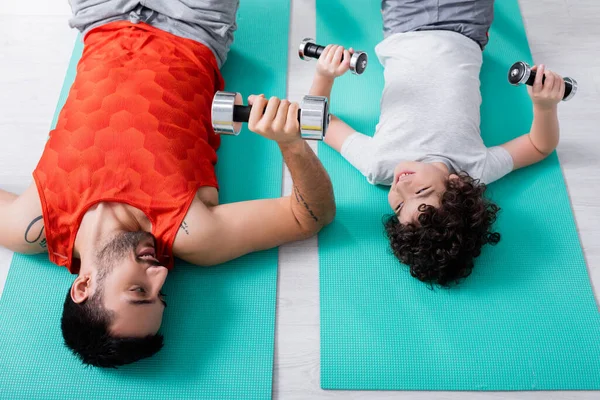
[[311, 120]]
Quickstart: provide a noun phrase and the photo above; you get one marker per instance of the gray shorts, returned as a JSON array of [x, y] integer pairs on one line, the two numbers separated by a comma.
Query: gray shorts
[[210, 22], [471, 18]]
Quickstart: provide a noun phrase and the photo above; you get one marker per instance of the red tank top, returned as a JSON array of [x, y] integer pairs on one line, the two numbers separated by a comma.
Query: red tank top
[[135, 129]]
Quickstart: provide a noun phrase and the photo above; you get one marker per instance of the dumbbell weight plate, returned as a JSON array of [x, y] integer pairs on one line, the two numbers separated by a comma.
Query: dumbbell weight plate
[[358, 62], [314, 117], [222, 113], [302, 48], [519, 73]]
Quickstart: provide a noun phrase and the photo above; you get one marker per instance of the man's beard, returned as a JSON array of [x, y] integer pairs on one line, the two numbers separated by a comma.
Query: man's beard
[[117, 249]]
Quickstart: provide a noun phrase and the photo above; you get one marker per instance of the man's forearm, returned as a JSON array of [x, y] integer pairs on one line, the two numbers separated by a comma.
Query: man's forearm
[[544, 132], [312, 195], [321, 86]]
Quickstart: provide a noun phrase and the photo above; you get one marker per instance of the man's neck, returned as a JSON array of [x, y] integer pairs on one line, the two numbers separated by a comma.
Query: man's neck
[[104, 220]]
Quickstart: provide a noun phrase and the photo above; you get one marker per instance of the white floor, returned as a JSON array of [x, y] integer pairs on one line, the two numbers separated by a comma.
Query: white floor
[[35, 45]]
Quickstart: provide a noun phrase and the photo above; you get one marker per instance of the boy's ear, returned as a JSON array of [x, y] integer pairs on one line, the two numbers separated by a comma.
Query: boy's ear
[[455, 179]]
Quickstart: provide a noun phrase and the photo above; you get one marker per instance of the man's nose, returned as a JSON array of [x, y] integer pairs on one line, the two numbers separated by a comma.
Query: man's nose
[[157, 277]]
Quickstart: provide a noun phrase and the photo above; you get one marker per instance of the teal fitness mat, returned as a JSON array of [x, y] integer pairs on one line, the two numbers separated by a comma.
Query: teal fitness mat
[[526, 319], [220, 324]]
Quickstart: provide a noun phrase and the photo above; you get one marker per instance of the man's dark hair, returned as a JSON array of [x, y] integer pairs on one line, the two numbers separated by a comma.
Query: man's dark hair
[[85, 328], [440, 248]]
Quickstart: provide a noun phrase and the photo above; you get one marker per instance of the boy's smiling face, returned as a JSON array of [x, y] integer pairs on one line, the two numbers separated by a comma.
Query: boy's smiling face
[[417, 183]]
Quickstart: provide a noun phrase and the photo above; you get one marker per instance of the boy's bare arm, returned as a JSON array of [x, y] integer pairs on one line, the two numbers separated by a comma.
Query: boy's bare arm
[[329, 67], [544, 135]]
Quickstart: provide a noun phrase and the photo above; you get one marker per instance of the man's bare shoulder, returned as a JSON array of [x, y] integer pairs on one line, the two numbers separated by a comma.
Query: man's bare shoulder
[[23, 228], [196, 221]]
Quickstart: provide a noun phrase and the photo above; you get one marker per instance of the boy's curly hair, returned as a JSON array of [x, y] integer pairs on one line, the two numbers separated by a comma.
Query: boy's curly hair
[[440, 249]]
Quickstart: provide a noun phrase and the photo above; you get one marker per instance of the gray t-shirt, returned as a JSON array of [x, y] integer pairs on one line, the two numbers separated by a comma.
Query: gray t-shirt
[[429, 110]]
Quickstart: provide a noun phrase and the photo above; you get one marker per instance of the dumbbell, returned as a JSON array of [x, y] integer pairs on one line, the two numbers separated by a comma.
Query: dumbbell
[[520, 72], [228, 113], [309, 49]]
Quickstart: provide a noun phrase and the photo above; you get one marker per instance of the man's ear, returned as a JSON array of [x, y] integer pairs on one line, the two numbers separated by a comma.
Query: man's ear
[[452, 176], [81, 288]]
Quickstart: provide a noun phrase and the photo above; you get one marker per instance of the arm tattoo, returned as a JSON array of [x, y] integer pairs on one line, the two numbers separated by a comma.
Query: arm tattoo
[[184, 226], [300, 199], [30, 236]]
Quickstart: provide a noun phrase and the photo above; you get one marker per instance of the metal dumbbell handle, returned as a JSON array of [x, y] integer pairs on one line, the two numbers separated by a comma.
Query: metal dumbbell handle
[[242, 113], [521, 73], [308, 49], [314, 50]]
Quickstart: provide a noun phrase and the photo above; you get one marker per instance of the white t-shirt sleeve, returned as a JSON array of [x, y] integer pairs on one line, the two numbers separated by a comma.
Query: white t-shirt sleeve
[[498, 163], [358, 150]]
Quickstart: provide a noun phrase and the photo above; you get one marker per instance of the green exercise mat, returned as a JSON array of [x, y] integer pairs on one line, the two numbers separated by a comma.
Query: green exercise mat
[[220, 324], [526, 319]]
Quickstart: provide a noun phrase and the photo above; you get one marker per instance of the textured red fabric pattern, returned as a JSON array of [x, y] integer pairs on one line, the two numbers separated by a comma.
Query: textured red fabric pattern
[[135, 129]]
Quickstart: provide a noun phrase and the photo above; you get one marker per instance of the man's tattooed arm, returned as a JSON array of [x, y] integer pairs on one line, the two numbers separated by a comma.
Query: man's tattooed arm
[[35, 231], [301, 200], [312, 202], [184, 227], [21, 223]]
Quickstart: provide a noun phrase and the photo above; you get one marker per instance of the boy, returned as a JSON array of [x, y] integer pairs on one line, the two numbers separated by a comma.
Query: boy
[[427, 145]]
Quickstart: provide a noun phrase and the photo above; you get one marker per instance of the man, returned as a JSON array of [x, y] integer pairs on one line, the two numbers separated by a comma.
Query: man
[[126, 181], [427, 145]]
